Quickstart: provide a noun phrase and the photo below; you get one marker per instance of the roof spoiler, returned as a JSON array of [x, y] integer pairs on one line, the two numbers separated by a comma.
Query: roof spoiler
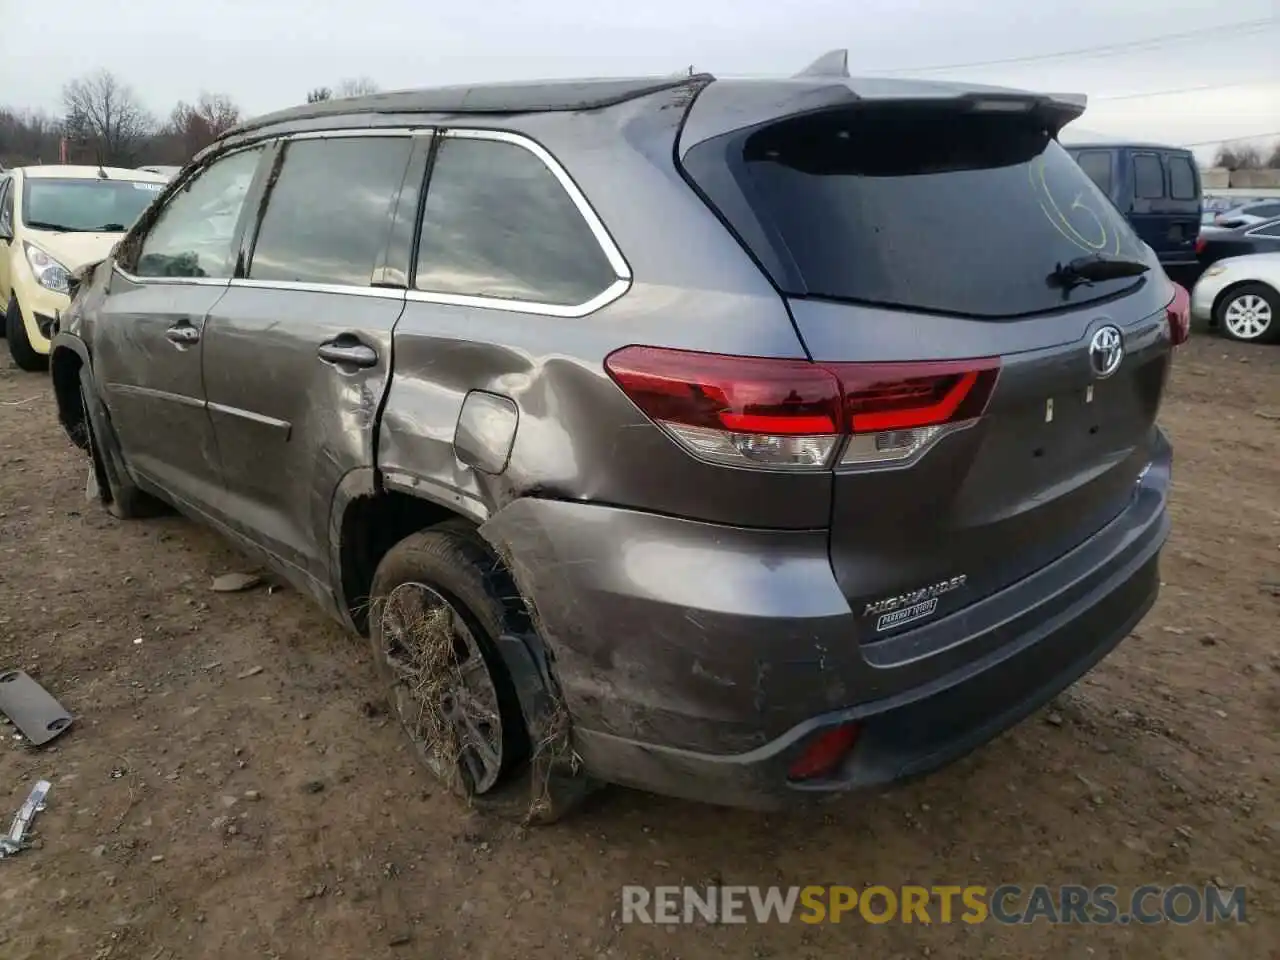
[[833, 63]]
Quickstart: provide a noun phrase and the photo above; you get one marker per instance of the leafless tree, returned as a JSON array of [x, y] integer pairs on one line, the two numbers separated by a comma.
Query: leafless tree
[[355, 87], [1238, 157], [102, 113], [1274, 160], [192, 127], [319, 95]]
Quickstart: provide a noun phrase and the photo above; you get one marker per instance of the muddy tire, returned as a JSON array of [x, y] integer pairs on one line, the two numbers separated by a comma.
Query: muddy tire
[[15, 331], [108, 482], [438, 603]]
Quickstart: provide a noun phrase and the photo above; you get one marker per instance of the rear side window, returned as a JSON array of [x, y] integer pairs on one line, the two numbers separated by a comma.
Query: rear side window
[[1182, 179], [499, 224], [1269, 230], [1148, 177], [926, 209], [329, 211], [1264, 210], [1096, 165]]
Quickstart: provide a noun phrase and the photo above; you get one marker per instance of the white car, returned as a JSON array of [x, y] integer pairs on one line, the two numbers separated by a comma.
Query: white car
[[1241, 296]]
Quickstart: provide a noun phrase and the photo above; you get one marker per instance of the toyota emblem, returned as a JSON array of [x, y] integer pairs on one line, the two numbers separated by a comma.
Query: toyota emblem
[[1106, 350]]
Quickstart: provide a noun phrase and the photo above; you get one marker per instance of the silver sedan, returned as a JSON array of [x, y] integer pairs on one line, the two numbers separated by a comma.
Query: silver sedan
[[1241, 297]]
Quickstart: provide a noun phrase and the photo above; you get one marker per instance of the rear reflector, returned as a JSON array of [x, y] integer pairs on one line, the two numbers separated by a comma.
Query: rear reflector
[[824, 753], [792, 414], [1178, 313]]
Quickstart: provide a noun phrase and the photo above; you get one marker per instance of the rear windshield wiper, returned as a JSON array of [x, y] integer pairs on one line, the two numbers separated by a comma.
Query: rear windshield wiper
[[1094, 269]]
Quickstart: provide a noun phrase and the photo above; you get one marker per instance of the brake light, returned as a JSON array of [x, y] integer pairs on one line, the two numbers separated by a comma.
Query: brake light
[[1201, 243], [1178, 313], [793, 414]]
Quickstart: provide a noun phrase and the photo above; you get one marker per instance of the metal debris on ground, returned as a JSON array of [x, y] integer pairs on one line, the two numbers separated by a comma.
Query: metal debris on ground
[[15, 840], [32, 709]]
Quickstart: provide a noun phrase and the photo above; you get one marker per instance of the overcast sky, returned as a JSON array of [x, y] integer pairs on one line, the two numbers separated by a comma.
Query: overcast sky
[[267, 53]]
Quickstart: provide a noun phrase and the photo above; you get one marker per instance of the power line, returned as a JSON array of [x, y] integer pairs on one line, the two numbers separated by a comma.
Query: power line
[[1169, 93], [1247, 136], [1103, 50]]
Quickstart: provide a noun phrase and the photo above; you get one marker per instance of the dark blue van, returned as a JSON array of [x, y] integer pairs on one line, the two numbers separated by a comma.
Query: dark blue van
[[1156, 187]]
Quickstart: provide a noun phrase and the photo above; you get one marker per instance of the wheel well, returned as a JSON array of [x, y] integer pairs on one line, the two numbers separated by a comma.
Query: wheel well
[[64, 368], [370, 527], [1226, 291]]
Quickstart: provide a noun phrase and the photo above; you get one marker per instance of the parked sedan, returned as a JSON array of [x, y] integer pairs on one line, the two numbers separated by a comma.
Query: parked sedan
[[1249, 214], [1217, 243], [1241, 297]]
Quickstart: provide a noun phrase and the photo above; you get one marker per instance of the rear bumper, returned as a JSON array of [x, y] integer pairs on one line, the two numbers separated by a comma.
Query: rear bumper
[[700, 661]]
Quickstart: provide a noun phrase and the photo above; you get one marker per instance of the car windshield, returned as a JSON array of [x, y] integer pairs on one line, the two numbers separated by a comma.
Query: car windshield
[[85, 206]]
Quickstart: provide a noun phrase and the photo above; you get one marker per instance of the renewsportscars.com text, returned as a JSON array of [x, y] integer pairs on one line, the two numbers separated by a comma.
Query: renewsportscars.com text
[[972, 904]]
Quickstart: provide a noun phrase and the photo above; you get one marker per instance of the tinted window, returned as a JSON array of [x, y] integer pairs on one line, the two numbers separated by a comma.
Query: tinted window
[[192, 237], [1264, 210], [926, 209], [499, 224], [1097, 167], [330, 209], [1271, 230], [1182, 179], [1148, 177]]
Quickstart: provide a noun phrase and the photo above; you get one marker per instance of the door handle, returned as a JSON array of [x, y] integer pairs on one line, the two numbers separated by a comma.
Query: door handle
[[183, 334], [347, 351]]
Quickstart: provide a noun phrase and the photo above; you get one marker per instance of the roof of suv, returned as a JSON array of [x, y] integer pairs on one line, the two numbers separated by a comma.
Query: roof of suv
[[591, 94]]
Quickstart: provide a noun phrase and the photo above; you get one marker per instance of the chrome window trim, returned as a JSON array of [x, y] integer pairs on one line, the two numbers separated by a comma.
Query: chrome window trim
[[602, 299], [189, 281], [621, 269], [382, 293]]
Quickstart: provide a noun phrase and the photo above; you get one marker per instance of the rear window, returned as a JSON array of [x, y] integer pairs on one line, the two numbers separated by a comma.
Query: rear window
[[933, 210], [1096, 165], [1182, 179], [1148, 177]]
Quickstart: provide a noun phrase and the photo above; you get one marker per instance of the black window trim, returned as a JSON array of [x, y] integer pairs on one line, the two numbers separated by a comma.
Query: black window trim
[[175, 189], [622, 270], [1164, 174]]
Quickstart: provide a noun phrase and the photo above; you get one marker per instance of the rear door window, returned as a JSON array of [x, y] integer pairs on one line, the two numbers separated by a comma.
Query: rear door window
[[1148, 177], [934, 210], [329, 211], [1097, 167], [1182, 179], [499, 224], [1268, 230], [1264, 210]]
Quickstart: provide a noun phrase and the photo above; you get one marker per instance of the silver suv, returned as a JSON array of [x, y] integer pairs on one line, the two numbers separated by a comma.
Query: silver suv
[[732, 439]]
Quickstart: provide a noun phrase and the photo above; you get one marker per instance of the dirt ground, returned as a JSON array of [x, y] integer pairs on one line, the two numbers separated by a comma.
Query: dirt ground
[[225, 792]]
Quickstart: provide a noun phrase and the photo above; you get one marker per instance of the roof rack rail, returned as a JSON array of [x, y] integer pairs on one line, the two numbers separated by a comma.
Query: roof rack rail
[[833, 63]]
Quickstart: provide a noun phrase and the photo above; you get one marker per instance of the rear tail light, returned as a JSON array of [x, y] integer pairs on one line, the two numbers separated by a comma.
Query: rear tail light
[[1178, 313], [793, 414], [1201, 243]]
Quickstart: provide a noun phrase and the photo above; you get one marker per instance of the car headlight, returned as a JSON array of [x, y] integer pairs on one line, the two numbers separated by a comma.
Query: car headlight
[[1214, 270], [49, 273]]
